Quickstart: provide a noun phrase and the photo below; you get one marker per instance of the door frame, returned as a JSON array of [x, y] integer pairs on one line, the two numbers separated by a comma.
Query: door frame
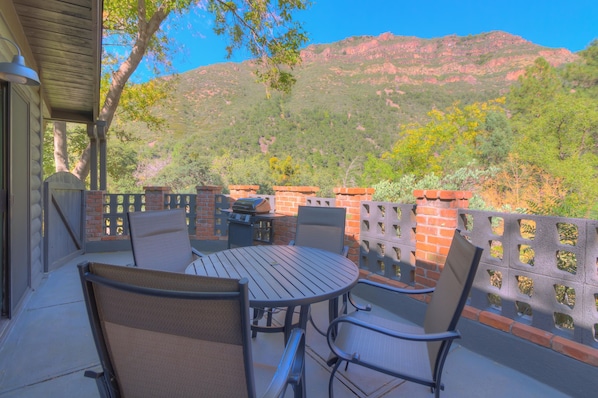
[[4, 131], [18, 183]]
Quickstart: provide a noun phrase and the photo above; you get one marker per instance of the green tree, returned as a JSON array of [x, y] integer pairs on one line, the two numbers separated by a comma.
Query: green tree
[[539, 85], [449, 141], [557, 133], [376, 169], [266, 28], [582, 75], [495, 144], [284, 171], [72, 136], [563, 141], [252, 170], [121, 165]]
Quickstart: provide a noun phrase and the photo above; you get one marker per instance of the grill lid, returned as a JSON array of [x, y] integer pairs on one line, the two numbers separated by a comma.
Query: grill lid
[[251, 206]]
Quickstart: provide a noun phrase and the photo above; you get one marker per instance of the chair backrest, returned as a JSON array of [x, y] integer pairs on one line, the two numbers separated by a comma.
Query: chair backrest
[[451, 292], [160, 239], [321, 228], [165, 334]]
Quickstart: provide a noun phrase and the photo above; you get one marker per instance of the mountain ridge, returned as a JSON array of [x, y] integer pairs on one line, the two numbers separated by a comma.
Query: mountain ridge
[[355, 93], [417, 50]]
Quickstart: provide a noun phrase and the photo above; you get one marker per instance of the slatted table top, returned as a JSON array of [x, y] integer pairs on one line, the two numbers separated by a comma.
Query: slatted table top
[[281, 276]]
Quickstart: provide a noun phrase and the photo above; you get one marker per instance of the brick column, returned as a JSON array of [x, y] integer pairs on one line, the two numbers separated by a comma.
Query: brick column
[[205, 210], [154, 197], [288, 200], [94, 211], [242, 191], [351, 198], [436, 218]]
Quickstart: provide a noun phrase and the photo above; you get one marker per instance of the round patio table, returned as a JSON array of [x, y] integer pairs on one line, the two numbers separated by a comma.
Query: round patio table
[[283, 276]]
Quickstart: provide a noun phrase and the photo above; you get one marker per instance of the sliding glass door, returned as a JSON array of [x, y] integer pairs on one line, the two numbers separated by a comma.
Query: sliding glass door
[[3, 198]]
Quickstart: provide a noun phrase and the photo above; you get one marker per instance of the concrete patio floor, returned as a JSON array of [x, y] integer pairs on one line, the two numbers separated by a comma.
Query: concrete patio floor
[[49, 346]]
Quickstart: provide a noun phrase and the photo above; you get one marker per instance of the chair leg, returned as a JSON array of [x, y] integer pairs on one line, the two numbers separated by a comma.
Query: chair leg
[[288, 323], [299, 389], [258, 313], [269, 312], [332, 376], [311, 320], [332, 315]]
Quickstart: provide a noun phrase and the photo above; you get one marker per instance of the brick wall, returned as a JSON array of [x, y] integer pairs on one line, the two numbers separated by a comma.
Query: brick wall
[[436, 221], [288, 200], [242, 191], [351, 198], [205, 208], [154, 197], [94, 211], [436, 217]]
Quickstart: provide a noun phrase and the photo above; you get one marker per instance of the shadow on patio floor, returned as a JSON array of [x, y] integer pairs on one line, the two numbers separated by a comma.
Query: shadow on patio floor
[[49, 346]]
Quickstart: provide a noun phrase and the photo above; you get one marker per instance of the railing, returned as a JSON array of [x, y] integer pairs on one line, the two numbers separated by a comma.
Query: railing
[[220, 223], [537, 270], [387, 235], [183, 201], [116, 207], [320, 202]]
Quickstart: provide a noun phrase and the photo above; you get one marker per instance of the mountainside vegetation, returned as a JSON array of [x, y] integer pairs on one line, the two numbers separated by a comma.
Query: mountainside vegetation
[[514, 122]]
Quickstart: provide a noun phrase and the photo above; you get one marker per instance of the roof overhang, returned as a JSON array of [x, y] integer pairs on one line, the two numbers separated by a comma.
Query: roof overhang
[[65, 41]]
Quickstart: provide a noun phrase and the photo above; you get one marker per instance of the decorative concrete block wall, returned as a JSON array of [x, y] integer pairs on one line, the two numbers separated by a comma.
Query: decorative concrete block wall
[[437, 215]]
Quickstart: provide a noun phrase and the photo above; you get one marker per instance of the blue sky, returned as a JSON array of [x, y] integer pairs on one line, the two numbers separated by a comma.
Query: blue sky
[[569, 24]]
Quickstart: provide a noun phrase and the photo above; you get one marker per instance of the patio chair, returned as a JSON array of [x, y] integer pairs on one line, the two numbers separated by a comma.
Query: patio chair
[[323, 228], [412, 353], [160, 240], [165, 334], [319, 228]]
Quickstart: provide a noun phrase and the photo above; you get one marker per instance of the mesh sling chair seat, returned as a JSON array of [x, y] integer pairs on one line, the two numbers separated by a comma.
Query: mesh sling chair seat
[[160, 240], [164, 334], [409, 352], [319, 228]]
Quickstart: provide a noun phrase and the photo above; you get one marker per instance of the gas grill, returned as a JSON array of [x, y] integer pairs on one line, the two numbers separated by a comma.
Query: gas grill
[[249, 221]]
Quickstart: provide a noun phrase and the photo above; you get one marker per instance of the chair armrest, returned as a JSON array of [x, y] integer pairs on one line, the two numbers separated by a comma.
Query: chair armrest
[[196, 252], [105, 388], [448, 335], [394, 289], [93, 374], [363, 332], [290, 367], [356, 305]]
